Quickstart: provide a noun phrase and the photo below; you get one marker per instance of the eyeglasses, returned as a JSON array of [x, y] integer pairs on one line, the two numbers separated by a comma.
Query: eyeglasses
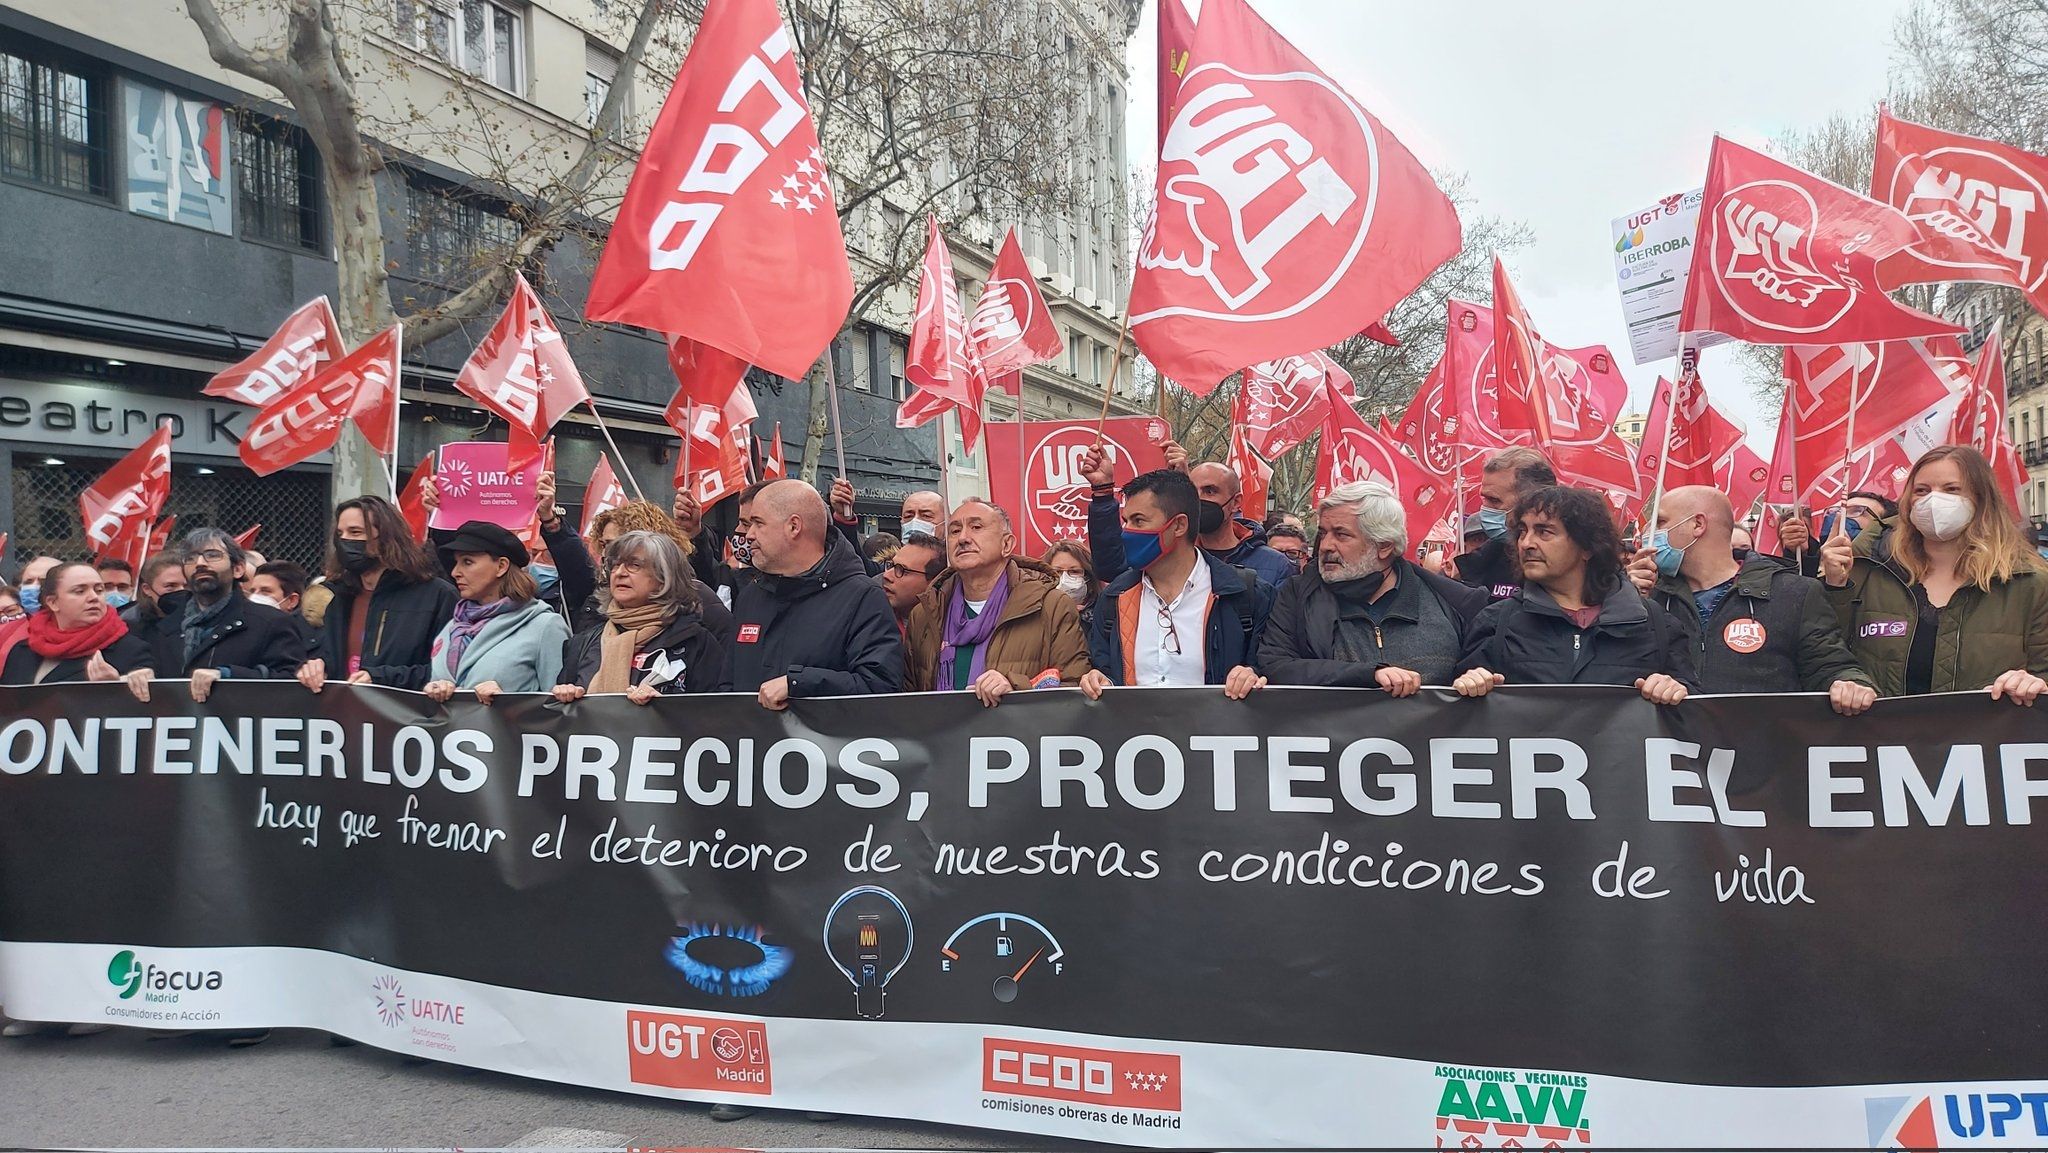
[[632, 565], [903, 572], [1166, 625], [211, 555]]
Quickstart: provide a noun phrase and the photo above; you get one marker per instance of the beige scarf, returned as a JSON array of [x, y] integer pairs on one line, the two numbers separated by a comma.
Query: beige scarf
[[624, 633]]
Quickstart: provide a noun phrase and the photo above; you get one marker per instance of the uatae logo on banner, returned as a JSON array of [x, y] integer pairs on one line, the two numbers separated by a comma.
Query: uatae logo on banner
[[1307, 201], [1511, 1109]]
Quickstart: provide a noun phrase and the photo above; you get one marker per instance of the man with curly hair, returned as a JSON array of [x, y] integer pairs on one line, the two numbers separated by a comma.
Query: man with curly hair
[[1576, 619]]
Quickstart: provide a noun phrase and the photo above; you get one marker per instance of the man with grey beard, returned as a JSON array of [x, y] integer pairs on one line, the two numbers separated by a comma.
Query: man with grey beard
[[1363, 615]]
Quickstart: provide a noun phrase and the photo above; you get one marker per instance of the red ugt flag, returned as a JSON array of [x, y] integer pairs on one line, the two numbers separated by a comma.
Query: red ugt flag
[[1889, 385], [1982, 207], [412, 503], [1472, 380], [729, 233], [1785, 257], [1354, 450], [1285, 217], [1700, 438], [305, 422], [1980, 419], [937, 365], [1011, 328], [307, 339], [522, 372], [1283, 402], [119, 508], [1521, 360]]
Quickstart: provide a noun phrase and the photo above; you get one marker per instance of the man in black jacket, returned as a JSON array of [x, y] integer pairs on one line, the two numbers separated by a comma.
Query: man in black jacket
[[814, 624], [1510, 475], [1754, 627], [1576, 619], [1364, 616], [212, 632]]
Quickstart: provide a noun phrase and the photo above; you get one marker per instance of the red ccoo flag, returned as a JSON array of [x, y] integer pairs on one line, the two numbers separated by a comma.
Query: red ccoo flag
[[1255, 475], [307, 339], [247, 537], [1982, 208], [412, 503], [1011, 328], [1980, 419], [120, 507], [773, 467], [1354, 450], [711, 401], [522, 372], [603, 494], [362, 386], [1284, 215], [160, 536], [937, 366], [1785, 257], [729, 233]]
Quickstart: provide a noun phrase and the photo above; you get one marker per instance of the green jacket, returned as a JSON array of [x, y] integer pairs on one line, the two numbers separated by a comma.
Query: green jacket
[[1983, 634]]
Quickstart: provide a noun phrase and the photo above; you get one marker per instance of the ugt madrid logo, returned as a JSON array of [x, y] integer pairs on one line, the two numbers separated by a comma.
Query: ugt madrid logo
[[1762, 243]]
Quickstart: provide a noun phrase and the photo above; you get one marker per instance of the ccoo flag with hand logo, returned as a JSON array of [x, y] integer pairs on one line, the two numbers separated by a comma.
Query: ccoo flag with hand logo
[[1785, 257], [729, 233], [1285, 217]]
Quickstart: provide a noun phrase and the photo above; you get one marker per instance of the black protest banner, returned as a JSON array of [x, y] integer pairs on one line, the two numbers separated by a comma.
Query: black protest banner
[[1318, 917]]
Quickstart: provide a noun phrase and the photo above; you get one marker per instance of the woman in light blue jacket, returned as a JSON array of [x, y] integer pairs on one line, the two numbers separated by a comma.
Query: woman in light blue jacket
[[503, 638]]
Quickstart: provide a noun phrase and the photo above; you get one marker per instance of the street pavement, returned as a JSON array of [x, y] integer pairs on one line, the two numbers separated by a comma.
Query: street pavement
[[124, 1088]]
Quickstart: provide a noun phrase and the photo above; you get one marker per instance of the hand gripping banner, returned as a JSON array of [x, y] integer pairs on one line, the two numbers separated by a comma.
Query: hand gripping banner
[[1558, 917]]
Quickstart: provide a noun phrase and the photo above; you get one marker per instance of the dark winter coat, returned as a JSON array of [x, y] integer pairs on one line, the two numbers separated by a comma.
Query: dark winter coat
[[247, 640], [1491, 569], [1106, 546], [1236, 621], [398, 642], [1801, 649], [685, 640], [1528, 640], [1301, 644], [1983, 634], [126, 654], [829, 630]]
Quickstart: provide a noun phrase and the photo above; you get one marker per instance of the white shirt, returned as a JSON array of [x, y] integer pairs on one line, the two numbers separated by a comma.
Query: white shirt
[[1157, 664]]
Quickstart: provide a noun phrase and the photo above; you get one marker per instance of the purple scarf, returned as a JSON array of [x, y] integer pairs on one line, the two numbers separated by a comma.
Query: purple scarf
[[470, 619], [964, 630]]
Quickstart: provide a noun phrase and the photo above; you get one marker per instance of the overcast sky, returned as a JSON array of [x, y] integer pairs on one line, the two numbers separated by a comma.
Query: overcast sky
[[1569, 113]]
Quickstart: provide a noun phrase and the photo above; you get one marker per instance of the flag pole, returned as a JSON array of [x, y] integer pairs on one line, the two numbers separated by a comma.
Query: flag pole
[[1670, 419], [945, 473], [397, 406], [1023, 488], [838, 429], [1116, 361], [607, 431]]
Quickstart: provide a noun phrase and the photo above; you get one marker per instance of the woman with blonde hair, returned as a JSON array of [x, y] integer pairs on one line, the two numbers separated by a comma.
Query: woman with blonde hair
[[1951, 597]]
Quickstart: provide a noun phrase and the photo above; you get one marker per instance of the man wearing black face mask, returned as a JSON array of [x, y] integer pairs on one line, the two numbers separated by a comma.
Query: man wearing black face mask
[[1232, 540], [1365, 616]]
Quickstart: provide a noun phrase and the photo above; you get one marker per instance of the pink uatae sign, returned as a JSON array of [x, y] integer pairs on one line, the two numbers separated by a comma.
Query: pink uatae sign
[[475, 486]]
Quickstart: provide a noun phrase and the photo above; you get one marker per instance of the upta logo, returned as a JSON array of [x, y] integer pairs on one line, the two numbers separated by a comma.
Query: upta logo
[[1959, 1121], [131, 975]]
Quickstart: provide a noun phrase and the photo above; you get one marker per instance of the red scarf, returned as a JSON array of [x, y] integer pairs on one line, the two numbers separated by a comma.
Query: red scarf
[[54, 644]]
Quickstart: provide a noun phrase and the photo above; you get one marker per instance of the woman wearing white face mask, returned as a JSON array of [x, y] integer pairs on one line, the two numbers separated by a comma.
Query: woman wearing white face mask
[[1071, 563], [1951, 598]]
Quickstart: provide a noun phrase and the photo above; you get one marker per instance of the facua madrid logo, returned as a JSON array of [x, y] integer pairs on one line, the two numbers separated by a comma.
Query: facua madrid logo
[[1228, 150], [133, 976], [2004, 1120], [1763, 243]]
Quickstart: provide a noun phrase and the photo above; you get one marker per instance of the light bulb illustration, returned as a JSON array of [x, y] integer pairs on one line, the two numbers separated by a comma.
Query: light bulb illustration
[[868, 936]]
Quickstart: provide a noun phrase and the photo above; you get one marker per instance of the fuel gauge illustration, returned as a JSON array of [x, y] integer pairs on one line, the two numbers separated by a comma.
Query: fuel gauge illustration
[[1006, 950], [868, 936]]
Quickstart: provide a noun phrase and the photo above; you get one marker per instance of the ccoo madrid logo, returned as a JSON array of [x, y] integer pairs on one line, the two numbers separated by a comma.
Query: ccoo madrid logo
[[133, 976]]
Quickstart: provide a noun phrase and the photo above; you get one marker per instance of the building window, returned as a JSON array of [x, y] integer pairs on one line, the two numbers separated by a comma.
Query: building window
[[53, 125], [1074, 343], [899, 352], [481, 37], [454, 235], [278, 183], [600, 71]]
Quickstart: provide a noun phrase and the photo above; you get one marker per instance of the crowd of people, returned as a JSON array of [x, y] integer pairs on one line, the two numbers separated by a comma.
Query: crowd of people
[[1943, 591]]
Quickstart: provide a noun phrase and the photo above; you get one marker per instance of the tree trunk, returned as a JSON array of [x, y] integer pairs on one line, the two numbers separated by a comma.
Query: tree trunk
[[364, 309], [820, 425]]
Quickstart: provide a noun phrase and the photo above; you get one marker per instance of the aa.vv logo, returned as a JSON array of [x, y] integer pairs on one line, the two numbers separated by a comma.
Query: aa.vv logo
[[134, 976], [2007, 1120], [1511, 1109]]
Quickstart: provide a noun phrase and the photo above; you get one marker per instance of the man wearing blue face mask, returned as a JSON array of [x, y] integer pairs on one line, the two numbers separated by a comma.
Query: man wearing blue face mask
[[1177, 615], [30, 587], [1755, 626], [1510, 474]]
